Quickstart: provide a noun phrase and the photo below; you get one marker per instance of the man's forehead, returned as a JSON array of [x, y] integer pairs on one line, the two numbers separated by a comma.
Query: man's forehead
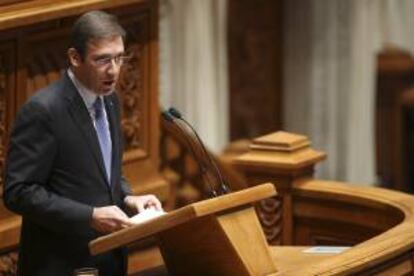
[[113, 44]]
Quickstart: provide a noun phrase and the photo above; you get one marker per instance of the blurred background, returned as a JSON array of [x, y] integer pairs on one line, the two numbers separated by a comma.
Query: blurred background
[[340, 72]]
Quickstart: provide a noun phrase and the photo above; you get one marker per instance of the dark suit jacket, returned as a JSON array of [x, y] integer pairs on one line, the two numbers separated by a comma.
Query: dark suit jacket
[[55, 176]]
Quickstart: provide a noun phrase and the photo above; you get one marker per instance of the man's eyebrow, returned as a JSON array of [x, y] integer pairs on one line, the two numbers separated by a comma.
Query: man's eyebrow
[[108, 55]]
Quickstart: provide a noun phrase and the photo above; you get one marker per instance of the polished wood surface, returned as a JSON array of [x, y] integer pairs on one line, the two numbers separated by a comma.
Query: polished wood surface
[[216, 234], [377, 223], [280, 150], [388, 252], [390, 212], [180, 216], [25, 13], [291, 258]]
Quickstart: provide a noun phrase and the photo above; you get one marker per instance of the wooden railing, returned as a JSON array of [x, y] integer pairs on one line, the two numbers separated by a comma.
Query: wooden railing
[[377, 224]]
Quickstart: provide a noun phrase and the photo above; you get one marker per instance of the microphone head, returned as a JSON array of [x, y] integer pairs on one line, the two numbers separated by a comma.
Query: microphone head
[[224, 188], [212, 193], [175, 112], [167, 116]]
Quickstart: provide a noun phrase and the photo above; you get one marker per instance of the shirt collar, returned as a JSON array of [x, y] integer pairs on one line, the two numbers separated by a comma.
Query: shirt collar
[[87, 95]]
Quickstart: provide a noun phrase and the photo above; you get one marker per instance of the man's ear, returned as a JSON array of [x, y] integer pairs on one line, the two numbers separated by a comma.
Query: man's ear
[[74, 58]]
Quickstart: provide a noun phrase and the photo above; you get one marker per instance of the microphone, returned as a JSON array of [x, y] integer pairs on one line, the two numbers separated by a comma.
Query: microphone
[[174, 112], [192, 145], [219, 177], [167, 116]]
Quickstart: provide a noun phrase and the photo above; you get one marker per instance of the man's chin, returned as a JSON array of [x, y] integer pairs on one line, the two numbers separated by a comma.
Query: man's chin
[[106, 91]]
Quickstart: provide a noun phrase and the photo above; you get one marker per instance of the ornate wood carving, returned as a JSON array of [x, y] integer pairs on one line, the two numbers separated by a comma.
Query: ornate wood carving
[[8, 264], [270, 215], [183, 172], [130, 87], [132, 84], [178, 165], [131, 92]]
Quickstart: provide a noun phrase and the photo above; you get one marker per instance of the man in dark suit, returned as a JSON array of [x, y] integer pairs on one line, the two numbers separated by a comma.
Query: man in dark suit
[[63, 170]]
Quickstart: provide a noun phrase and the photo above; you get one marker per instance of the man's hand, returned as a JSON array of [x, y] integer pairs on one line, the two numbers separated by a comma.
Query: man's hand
[[109, 219], [140, 203]]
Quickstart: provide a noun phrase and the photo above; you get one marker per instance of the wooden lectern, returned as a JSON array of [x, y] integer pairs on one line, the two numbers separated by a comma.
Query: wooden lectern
[[218, 236]]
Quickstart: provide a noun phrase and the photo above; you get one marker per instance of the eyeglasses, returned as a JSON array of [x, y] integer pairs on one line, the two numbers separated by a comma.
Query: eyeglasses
[[105, 61]]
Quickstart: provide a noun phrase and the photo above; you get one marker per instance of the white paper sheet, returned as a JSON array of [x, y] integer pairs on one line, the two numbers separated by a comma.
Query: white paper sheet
[[326, 249], [146, 215]]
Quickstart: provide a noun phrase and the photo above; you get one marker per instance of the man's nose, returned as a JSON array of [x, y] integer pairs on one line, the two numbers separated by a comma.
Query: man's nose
[[113, 67]]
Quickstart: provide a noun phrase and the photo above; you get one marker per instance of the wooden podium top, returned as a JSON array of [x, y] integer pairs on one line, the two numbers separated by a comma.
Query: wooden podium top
[[206, 207]]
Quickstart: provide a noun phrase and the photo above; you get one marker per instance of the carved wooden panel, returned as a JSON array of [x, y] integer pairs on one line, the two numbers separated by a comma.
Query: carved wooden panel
[[270, 215], [255, 61], [41, 64], [7, 91], [138, 90], [178, 165], [8, 264], [132, 85]]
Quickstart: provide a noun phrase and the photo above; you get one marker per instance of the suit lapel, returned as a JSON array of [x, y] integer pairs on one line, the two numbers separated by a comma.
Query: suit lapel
[[83, 120]]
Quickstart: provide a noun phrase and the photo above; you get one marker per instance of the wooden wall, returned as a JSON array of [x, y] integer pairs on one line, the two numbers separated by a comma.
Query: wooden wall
[[255, 41]]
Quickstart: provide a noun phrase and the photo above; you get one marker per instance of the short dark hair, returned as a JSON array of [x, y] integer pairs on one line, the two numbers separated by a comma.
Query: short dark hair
[[94, 25]]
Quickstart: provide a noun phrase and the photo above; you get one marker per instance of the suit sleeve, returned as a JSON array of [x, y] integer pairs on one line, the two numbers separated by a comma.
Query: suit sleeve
[[29, 164], [125, 187]]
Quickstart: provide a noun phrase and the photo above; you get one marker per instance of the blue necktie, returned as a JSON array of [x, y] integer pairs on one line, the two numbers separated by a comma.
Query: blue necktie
[[104, 136]]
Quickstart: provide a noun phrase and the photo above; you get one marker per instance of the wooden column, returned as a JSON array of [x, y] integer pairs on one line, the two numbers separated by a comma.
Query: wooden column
[[394, 97], [281, 158]]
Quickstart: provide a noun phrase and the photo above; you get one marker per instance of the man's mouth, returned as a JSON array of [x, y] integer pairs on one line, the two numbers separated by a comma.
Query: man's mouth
[[108, 82]]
